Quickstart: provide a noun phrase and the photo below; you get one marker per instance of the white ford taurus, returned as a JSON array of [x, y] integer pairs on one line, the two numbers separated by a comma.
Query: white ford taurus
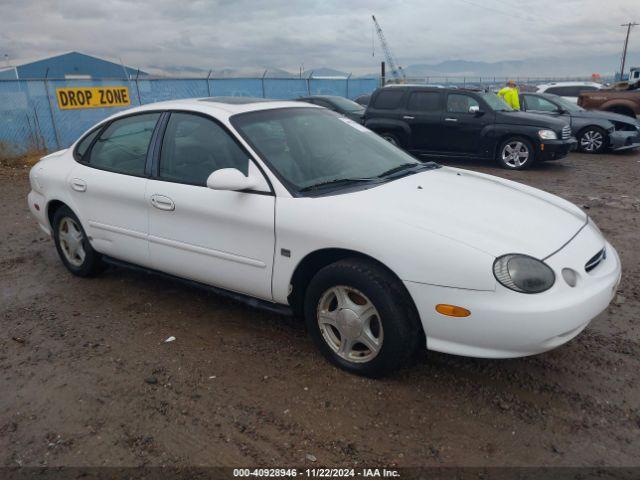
[[297, 209]]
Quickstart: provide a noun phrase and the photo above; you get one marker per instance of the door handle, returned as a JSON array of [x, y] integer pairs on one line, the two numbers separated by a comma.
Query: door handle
[[78, 185], [162, 203], [449, 119], [408, 117]]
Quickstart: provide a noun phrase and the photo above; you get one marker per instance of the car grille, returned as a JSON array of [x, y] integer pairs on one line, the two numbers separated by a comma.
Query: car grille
[[566, 132], [595, 260]]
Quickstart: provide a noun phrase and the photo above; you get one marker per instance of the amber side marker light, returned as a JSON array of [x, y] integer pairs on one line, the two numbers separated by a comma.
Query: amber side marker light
[[452, 310]]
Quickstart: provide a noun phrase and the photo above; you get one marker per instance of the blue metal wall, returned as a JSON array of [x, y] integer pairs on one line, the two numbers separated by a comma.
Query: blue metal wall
[[73, 63], [31, 120]]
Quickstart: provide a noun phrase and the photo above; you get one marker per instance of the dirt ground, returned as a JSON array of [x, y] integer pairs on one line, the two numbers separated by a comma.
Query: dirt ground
[[86, 380]]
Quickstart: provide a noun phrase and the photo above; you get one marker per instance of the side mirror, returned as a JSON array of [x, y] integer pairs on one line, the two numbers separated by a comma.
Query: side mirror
[[475, 110], [231, 179]]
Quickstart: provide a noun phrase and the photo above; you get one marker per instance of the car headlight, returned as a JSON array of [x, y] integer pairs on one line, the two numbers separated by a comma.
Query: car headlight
[[547, 135], [523, 273]]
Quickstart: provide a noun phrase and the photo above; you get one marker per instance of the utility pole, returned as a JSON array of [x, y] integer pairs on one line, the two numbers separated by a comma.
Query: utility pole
[[626, 43]]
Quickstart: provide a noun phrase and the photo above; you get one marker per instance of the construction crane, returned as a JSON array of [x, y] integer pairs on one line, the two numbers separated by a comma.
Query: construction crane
[[396, 70]]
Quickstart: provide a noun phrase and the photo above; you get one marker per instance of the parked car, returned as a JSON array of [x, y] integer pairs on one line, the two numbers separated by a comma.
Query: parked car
[[569, 90], [290, 207], [596, 131], [464, 123], [363, 99], [625, 102], [341, 105]]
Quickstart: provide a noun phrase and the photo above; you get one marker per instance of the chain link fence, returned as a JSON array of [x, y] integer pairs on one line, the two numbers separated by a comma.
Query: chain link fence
[[31, 119]]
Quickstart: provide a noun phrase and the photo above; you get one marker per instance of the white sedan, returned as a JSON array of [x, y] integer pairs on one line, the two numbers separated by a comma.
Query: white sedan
[[294, 208]]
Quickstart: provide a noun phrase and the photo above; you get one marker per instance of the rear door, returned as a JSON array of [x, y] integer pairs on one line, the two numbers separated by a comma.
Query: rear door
[[108, 188], [424, 115], [461, 133], [220, 238]]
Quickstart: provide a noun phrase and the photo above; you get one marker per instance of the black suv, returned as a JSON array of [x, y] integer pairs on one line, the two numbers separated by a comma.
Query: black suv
[[465, 123]]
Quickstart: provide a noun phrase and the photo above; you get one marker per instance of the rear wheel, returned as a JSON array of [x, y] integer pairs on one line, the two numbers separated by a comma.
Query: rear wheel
[[361, 319], [72, 245], [516, 153], [592, 140], [392, 138]]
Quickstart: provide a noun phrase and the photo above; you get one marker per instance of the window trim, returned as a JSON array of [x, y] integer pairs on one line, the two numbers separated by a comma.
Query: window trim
[[154, 168], [102, 127]]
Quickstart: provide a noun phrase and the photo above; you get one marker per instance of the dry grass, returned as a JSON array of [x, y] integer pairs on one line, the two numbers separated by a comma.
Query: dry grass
[[21, 161]]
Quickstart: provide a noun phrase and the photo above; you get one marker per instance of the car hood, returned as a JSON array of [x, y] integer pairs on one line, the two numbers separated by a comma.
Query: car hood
[[484, 212], [612, 117], [527, 118]]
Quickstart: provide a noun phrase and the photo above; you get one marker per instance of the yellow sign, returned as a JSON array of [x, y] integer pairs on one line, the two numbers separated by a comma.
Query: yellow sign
[[92, 97]]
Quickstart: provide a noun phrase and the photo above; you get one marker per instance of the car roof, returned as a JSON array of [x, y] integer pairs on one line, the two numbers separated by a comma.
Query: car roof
[[219, 107], [569, 84]]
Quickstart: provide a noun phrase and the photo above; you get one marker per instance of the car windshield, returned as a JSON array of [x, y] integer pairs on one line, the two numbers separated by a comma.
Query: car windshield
[[496, 103], [346, 105], [567, 105], [309, 147]]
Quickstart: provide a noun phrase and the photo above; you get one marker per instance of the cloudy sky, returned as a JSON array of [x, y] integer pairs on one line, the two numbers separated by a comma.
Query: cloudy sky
[[284, 34]]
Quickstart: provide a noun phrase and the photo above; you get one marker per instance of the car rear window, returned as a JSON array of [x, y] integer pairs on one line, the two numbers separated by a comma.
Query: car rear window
[[424, 101], [388, 99]]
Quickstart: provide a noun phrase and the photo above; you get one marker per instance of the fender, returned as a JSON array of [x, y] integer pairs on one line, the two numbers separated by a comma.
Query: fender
[[619, 102]]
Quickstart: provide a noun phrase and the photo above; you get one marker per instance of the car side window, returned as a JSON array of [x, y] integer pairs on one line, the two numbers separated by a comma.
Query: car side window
[[122, 146], [539, 104], [193, 147], [85, 143], [460, 103], [424, 102], [388, 99]]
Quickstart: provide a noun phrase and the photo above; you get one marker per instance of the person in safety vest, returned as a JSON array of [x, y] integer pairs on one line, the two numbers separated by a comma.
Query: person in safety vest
[[510, 95]]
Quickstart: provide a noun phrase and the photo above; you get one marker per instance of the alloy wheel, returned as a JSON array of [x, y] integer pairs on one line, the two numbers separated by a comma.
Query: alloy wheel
[[392, 140], [515, 154], [71, 241], [591, 141], [350, 324]]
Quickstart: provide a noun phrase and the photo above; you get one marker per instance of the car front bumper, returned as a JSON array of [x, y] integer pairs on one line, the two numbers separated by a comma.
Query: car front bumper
[[507, 324], [556, 149], [624, 140]]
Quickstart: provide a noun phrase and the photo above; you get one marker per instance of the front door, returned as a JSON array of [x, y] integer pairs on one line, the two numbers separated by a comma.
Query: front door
[[462, 130], [108, 188], [220, 238]]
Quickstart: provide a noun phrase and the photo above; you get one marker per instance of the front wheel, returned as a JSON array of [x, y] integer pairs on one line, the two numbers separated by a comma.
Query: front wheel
[[592, 140], [361, 318], [516, 153]]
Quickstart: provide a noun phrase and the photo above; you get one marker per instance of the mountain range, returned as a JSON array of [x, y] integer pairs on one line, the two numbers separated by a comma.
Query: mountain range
[[605, 65]]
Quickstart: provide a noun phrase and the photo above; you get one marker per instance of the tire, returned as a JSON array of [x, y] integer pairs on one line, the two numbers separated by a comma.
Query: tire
[[389, 324], [592, 140], [510, 153], [72, 245], [392, 138]]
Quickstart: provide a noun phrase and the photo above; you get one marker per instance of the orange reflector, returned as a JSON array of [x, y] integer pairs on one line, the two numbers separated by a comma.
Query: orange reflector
[[452, 310], [542, 146]]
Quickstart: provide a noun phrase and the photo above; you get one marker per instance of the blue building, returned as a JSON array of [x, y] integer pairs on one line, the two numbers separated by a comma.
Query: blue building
[[67, 65]]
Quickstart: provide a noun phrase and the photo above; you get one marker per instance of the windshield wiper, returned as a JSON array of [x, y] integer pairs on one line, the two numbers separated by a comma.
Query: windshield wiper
[[399, 168], [335, 181]]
